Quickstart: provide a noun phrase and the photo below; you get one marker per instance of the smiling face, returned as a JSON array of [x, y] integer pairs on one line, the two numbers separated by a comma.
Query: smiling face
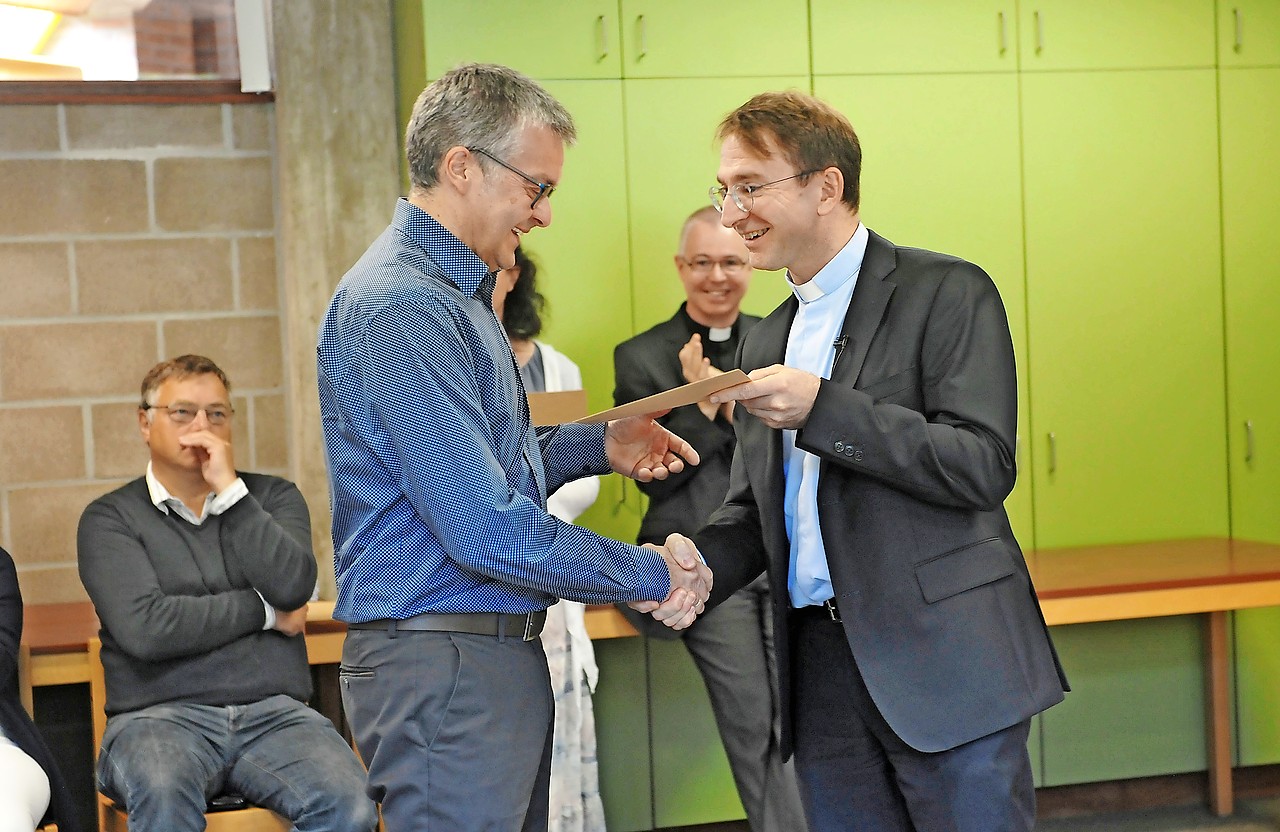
[[501, 207], [781, 229], [714, 294]]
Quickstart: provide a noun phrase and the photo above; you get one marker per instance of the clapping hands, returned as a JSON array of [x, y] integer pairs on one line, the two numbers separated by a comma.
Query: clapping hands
[[691, 582]]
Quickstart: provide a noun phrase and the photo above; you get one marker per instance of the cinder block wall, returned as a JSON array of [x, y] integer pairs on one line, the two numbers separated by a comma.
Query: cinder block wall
[[128, 234]]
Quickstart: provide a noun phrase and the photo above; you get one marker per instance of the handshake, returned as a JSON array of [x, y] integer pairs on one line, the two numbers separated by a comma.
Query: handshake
[[691, 582]]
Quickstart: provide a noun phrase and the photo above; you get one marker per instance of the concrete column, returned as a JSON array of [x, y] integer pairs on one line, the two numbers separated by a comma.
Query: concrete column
[[338, 175]]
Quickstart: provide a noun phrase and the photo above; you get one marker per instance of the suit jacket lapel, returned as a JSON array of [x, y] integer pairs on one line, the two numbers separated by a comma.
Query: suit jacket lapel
[[866, 310]]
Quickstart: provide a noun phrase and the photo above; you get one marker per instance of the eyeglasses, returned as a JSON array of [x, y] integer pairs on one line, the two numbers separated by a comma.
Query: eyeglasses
[[705, 265], [744, 195], [184, 413], [544, 189]]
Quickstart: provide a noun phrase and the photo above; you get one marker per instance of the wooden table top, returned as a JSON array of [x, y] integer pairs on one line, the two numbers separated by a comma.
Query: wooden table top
[[1086, 583]]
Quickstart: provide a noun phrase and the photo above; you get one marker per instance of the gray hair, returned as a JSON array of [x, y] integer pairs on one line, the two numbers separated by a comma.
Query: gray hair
[[477, 105]]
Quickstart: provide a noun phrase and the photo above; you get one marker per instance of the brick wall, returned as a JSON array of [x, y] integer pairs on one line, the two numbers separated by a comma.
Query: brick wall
[[128, 234]]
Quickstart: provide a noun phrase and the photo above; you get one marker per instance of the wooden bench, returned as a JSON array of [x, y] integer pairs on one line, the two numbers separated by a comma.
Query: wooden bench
[[1209, 577]]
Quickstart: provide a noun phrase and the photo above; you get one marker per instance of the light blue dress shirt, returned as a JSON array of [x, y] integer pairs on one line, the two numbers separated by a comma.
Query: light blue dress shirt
[[811, 346]]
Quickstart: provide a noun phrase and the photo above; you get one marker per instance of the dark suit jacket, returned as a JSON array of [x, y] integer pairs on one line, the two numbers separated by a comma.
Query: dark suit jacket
[[14, 720], [650, 363], [915, 432]]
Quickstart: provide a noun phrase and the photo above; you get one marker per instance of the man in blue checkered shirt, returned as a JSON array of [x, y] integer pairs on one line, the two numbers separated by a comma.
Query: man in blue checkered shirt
[[445, 555]]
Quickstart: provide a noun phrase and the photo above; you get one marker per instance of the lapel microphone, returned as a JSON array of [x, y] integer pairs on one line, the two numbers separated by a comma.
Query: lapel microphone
[[839, 344]]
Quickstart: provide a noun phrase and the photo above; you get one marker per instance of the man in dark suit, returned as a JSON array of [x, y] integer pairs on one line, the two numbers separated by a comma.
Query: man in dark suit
[[875, 448], [731, 647]]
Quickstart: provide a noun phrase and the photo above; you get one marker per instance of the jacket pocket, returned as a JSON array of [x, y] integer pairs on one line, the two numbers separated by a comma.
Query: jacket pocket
[[963, 569], [895, 383]]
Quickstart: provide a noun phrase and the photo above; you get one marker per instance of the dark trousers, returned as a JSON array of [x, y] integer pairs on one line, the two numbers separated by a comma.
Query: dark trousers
[[455, 728], [856, 775]]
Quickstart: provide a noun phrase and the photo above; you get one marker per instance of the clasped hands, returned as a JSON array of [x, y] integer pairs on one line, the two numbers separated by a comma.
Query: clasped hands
[[691, 582]]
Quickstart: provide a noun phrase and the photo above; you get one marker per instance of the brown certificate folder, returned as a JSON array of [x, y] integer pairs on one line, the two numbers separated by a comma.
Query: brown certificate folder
[[557, 408], [675, 397]]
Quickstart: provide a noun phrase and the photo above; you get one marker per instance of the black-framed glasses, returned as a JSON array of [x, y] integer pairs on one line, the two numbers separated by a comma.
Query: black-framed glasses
[[705, 265], [744, 195], [184, 413], [544, 189]]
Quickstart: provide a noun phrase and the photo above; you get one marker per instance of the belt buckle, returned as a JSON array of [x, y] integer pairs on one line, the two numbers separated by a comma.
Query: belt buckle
[[529, 635], [832, 610]]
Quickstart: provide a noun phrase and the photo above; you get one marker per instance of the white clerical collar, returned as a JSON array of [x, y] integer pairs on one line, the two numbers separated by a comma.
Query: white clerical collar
[[719, 333], [839, 269]]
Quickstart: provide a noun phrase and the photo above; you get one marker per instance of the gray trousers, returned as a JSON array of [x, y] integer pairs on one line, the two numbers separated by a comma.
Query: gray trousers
[[732, 647], [454, 728]]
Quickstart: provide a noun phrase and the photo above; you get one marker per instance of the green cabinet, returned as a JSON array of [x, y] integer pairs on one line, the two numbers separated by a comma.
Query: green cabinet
[[577, 40], [1124, 299], [871, 36], [1248, 33], [962, 196], [1137, 702], [1250, 113], [678, 39], [621, 705], [1112, 34], [672, 158]]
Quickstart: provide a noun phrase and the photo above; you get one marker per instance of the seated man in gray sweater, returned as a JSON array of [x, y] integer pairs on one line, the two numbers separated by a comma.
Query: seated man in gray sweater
[[200, 576]]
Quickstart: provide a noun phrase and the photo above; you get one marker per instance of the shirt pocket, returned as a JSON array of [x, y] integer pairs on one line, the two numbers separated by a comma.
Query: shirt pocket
[[963, 569]]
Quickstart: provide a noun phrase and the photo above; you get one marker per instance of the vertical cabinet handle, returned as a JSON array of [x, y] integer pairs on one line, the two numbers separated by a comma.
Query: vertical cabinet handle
[[1248, 440], [1039, 32], [1004, 46], [1053, 452], [642, 35], [602, 41], [1239, 21]]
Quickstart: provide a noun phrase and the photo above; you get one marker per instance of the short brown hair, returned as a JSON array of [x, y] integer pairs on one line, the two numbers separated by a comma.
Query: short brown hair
[[811, 134], [184, 366]]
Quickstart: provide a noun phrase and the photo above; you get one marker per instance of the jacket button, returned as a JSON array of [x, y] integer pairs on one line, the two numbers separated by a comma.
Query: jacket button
[[839, 447], [857, 456]]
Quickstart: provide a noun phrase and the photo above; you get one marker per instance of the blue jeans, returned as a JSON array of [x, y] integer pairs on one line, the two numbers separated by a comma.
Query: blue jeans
[[164, 762]]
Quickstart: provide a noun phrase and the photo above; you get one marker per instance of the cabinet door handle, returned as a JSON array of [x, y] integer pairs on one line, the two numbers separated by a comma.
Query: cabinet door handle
[[1039, 32], [642, 34], [602, 41], [1053, 452], [1239, 21], [1004, 46], [1248, 440]]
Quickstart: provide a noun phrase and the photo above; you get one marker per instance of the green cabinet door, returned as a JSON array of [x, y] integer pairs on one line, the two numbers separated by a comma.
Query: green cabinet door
[[1250, 112], [1136, 706], [621, 705], [943, 172], [871, 36], [757, 38], [672, 158], [692, 783], [1249, 33], [1116, 34], [566, 39], [1124, 300], [584, 266]]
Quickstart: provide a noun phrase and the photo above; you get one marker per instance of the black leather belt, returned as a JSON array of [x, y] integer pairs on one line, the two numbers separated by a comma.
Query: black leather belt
[[526, 626], [827, 610]]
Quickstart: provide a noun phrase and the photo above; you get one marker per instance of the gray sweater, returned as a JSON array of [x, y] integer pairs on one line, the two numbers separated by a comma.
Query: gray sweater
[[181, 621]]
